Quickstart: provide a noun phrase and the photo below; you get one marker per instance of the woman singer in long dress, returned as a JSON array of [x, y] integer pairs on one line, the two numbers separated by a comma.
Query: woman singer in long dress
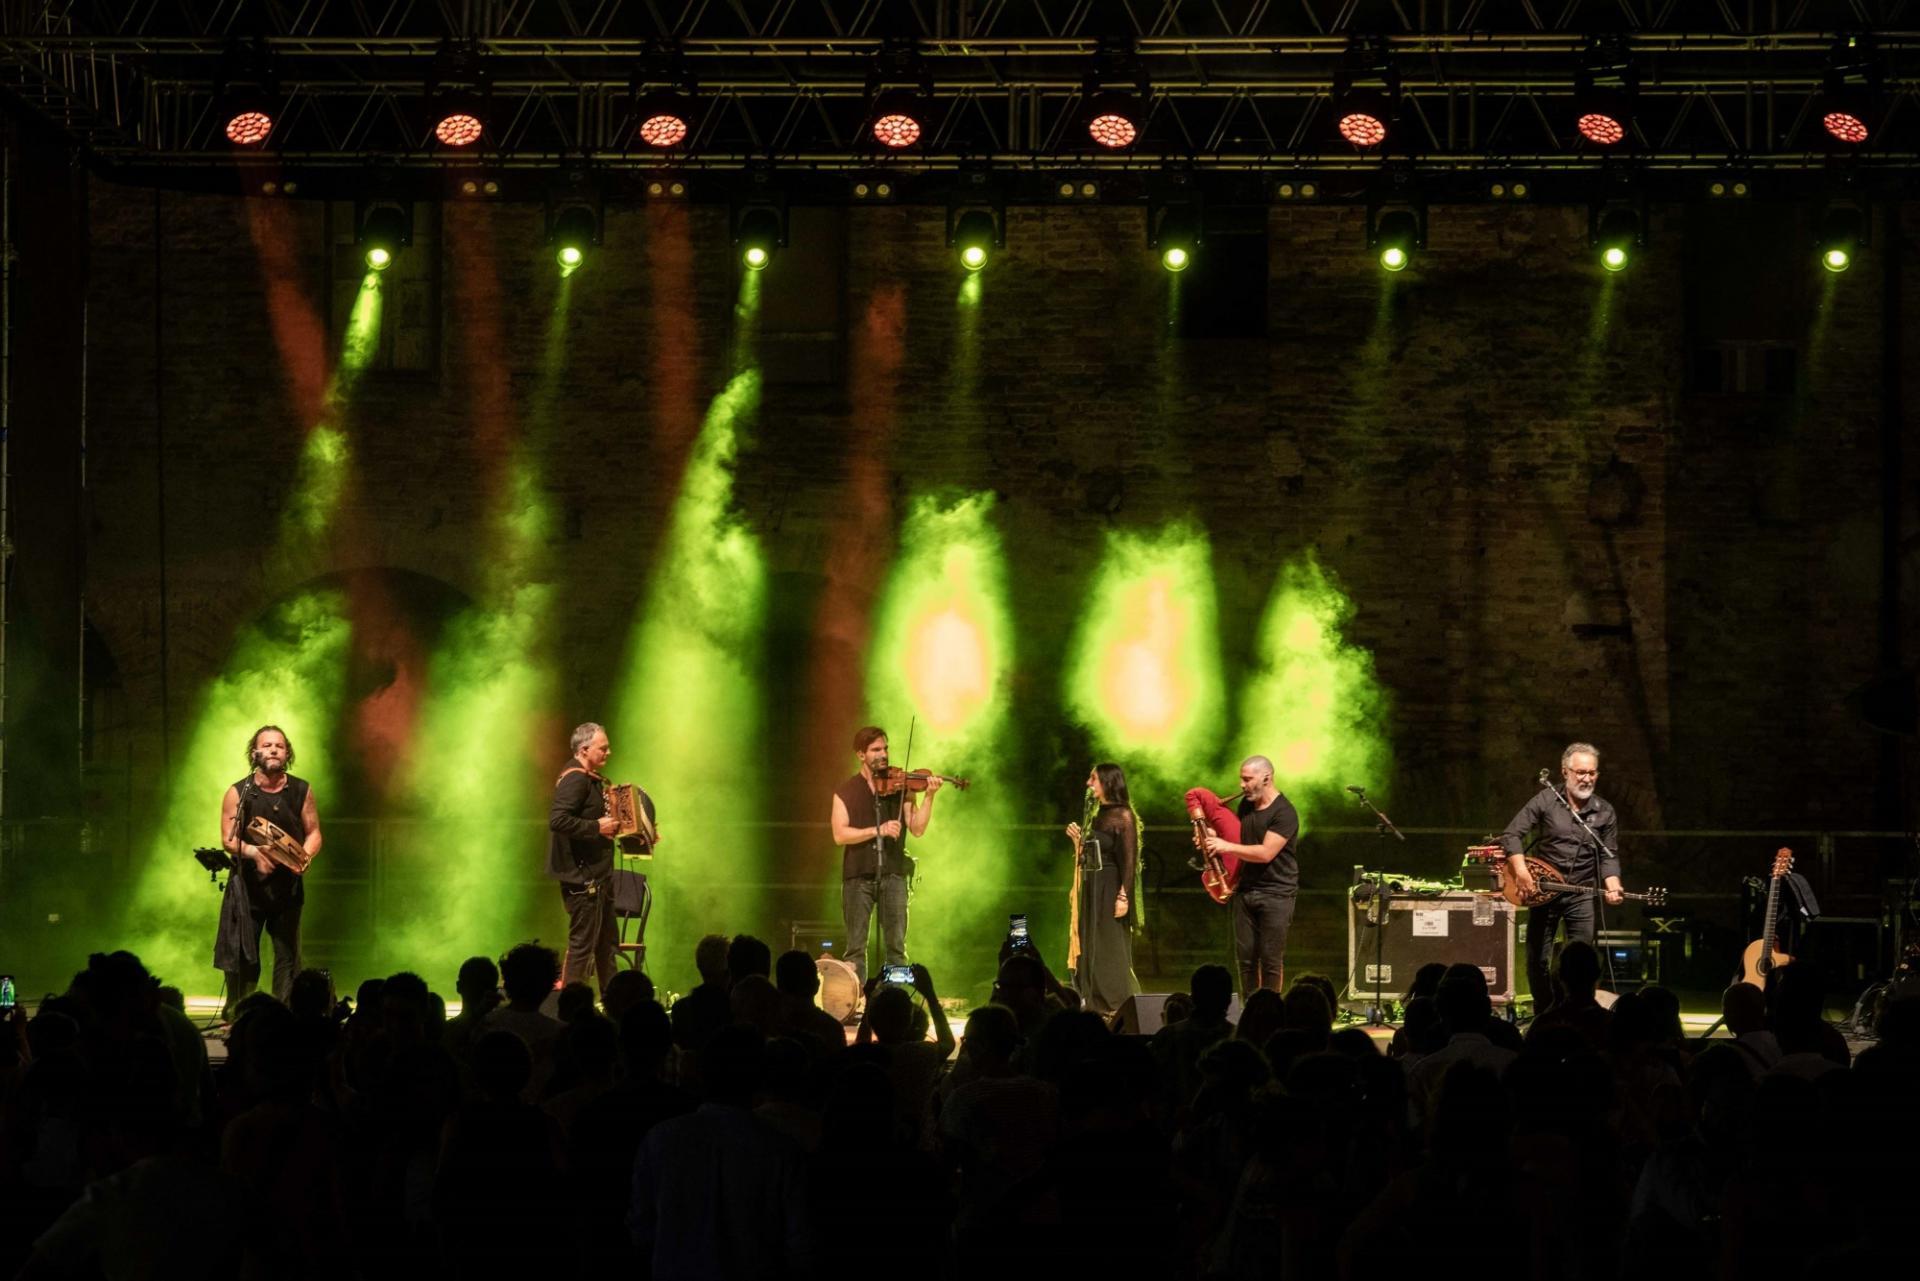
[[1104, 905]]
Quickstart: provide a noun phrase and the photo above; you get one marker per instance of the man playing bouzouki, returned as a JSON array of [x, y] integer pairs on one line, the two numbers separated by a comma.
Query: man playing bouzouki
[[264, 892], [1565, 843]]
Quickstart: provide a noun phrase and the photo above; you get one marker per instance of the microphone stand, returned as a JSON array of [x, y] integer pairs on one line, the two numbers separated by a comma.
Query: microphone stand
[[1599, 886], [1381, 905]]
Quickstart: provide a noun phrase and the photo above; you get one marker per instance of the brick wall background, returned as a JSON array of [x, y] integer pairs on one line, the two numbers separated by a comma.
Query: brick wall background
[[1546, 532]]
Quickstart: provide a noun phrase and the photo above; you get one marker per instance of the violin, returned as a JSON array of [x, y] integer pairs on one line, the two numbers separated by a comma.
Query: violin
[[893, 781]]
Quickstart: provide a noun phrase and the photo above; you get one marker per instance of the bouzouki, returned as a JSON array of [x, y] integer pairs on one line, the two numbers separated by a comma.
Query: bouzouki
[[1761, 957], [1551, 883]]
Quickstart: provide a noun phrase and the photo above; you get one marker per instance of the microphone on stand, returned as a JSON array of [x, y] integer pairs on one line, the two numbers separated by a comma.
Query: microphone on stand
[[1546, 779], [1357, 791]]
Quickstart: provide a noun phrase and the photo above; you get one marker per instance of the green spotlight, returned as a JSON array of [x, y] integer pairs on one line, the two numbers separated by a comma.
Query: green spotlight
[[759, 230], [1396, 231], [574, 229], [1615, 230], [1175, 232], [1840, 231], [975, 234], [383, 230]]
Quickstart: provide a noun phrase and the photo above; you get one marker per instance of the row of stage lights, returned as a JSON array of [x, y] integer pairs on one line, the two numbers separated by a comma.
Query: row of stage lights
[[1116, 96], [1395, 232]]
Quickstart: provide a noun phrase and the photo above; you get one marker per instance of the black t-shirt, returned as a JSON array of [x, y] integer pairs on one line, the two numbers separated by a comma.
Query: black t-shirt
[[1282, 875]]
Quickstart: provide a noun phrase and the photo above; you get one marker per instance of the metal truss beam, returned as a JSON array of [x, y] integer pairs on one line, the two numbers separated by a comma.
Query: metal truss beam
[[1235, 84]]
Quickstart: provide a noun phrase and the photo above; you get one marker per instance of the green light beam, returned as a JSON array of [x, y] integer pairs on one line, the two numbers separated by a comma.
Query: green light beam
[[489, 679], [327, 456], [1312, 702], [288, 669], [940, 660], [692, 686], [1144, 673]]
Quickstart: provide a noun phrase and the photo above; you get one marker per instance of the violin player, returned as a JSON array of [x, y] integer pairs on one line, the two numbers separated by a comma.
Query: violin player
[[871, 824]]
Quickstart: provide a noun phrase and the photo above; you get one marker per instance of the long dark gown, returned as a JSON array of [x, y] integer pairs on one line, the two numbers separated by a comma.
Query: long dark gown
[[1104, 974]]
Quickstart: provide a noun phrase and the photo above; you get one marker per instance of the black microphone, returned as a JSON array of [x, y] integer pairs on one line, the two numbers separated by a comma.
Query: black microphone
[[1357, 791], [256, 759]]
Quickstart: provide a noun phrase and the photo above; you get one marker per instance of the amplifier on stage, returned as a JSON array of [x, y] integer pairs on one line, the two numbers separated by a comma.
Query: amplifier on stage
[[1452, 928]]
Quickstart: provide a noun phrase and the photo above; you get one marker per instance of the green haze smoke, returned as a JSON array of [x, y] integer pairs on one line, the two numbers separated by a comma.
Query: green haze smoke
[[693, 683], [940, 660], [327, 456], [490, 681], [1144, 674], [1312, 702], [289, 669]]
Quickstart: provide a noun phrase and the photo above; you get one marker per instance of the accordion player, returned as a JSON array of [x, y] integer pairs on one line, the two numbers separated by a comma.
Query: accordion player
[[632, 808]]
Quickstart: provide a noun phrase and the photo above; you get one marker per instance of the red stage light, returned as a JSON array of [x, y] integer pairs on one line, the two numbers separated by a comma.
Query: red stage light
[[458, 129], [1363, 129], [663, 129], [1846, 127], [249, 128], [1113, 130], [1600, 129], [896, 129]]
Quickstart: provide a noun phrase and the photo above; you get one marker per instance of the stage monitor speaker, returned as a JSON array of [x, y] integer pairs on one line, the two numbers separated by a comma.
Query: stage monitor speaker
[[1452, 928], [1145, 1014]]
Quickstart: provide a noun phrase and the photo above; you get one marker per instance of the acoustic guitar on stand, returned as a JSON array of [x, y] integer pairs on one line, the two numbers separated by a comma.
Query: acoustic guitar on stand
[[1761, 957]]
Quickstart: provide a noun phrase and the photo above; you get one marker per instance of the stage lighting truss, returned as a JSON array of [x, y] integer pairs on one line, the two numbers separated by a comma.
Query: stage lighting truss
[[665, 100], [759, 229], [247, 94], [458, 96], [1396, 230], [1115, 95], [382, 228], [574, 227], [1840, 232], [1175, 228], [899, 98], [1615, 228]]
